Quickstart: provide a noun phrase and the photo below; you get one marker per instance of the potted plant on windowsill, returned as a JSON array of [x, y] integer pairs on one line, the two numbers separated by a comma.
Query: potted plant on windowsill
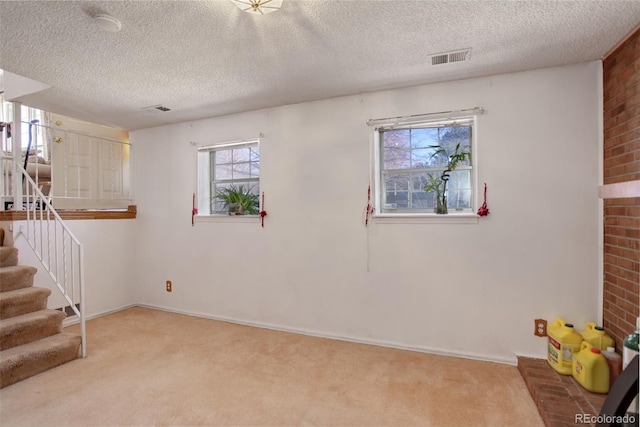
[[438, 184], [238, 200]]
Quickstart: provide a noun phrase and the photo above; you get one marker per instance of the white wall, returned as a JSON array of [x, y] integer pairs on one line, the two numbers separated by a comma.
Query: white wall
[[109, 256], [472, 290]]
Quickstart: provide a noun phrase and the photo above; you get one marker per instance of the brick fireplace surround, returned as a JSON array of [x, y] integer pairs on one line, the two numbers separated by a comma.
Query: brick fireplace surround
[[621, 69]]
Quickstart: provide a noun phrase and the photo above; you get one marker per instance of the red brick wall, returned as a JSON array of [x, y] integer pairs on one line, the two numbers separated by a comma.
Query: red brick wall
[[622, 163]]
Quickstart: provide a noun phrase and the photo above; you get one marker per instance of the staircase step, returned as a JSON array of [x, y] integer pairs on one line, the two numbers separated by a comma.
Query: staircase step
[[30, 327], [27, 360], [8, 256], [16, 277], [22, 301]]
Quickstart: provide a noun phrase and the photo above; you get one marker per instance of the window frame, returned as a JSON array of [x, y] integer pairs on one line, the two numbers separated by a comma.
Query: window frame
[[206, 170], [468, 216]]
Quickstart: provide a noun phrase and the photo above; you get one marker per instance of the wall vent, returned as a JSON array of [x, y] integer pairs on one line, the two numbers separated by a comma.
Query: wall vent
[[449, 57]]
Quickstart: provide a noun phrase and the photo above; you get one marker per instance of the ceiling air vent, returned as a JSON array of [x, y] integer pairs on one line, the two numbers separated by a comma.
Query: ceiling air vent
[[155, 108], [449, 57]]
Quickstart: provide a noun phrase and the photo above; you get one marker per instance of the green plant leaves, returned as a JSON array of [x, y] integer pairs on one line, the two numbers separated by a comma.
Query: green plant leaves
[[249, 201]]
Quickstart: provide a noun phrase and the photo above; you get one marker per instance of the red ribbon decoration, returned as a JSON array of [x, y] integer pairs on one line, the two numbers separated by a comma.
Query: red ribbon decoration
[[484, 210], [370, 208], [263, 213], [194, 210]]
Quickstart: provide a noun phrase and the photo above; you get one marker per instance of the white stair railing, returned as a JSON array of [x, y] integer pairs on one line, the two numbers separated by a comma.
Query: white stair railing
[[77, 170], [53, 243]]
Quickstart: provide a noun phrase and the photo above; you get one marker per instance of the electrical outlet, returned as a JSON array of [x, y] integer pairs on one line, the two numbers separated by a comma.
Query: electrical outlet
[[169, 286], [540, 328]]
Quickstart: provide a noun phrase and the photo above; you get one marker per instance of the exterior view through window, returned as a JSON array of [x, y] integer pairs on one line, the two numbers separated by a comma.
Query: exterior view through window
[[412, 160], [228, 168]]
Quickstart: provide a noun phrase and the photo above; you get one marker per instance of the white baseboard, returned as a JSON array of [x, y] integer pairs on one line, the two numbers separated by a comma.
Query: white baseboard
[[421, 349]]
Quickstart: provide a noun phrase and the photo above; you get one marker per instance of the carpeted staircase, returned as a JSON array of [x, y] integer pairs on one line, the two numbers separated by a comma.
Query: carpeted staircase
[[31, 337]]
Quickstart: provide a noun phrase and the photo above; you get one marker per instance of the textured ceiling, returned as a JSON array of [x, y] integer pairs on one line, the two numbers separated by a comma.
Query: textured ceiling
[[207, 58]]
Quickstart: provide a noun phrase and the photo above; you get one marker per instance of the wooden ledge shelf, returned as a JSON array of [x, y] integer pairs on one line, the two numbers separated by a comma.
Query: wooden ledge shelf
[[69, 214]]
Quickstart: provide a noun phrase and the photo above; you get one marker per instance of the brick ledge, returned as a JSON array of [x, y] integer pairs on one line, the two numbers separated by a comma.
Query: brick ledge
[[558, 397]]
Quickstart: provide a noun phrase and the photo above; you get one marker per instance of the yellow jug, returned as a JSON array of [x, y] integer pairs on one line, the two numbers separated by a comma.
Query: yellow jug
[[564, 341], [596, 336], [590, 369]]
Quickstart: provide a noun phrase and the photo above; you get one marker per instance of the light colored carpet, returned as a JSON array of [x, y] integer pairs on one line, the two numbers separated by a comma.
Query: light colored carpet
[[153, 368]]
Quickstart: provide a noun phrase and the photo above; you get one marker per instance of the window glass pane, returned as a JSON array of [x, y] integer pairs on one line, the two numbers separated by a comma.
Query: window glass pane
[[223, 172], [459, 189], [217, 205], [460, 179], [396, 153], [439, 159], [432, 179], [459, 199], [255, 169], [424, 137], [450, 137], [254, 187], [255, 154], [422, 200], [397, 182], [241, 154], [421, 157], [222, 156], [397, 158], [418, 181], [400, 138], [456, 134], [397, 199], [241, 171]]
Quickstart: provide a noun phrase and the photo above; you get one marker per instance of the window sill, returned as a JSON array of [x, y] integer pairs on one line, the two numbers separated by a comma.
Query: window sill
[[451, 218], [228, 218]]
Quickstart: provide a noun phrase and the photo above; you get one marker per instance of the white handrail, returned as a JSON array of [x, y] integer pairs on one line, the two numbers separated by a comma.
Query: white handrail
[[67, 272]]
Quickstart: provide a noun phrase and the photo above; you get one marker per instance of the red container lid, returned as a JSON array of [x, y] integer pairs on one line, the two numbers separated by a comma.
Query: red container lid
[[595, 350]]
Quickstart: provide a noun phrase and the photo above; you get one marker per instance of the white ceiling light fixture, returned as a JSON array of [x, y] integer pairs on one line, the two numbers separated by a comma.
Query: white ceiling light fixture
[[258, 7], [107, 23]]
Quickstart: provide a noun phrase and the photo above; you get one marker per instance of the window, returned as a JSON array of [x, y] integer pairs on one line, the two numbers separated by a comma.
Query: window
[[228, 166], [32, 121], [410, 157]]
